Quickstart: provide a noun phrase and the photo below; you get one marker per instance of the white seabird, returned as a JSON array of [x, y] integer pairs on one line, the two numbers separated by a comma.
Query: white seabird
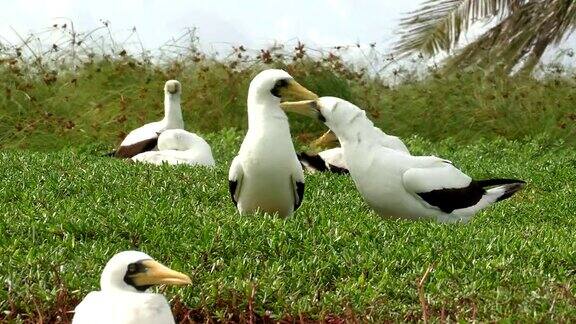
[[123, 298], [332, 160], [145, 138], [397, 184], [177, 146], [266, 175]]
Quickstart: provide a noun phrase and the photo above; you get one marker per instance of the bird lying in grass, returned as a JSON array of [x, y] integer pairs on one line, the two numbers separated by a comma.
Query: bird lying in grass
[[332, 160], [266, 175], [177, 146], [395, 183], [123, 298], [145, 138]]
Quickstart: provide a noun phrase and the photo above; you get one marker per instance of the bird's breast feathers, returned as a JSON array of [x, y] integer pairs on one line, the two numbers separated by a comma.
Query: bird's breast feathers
[[122, 307]]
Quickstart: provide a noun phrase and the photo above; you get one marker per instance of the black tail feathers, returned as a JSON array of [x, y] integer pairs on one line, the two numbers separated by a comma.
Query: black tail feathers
[[511, 186]]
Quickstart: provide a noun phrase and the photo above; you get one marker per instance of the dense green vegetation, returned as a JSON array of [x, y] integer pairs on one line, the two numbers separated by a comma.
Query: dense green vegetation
[[64, 209], [65, 213], [103, 100]]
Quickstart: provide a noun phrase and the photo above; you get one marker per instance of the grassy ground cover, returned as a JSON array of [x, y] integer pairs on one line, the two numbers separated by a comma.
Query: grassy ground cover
[[64, 209], [64, 213], [102, 100]]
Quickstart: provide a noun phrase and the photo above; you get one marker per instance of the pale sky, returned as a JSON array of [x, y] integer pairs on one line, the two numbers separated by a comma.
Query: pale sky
[[252, 23], [220, 23]]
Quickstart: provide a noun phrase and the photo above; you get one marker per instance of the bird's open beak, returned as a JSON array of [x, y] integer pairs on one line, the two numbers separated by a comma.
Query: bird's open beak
[[297, 92], [328, 140], [306, 107], [157, 273]]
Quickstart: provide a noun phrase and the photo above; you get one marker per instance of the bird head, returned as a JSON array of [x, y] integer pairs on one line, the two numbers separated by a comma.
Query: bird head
[[277, 84], [172, 87], [137, 271], [338, 114]]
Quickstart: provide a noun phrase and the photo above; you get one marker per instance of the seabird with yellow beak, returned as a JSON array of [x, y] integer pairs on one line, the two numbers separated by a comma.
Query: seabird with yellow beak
[[395, 183], [266, 175], [123, 298]]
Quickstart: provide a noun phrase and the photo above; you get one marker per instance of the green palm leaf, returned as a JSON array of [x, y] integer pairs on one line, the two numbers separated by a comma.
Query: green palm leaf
[[524, 29]]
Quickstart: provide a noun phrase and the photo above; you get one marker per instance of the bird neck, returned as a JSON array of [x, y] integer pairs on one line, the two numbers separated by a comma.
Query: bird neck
[[264, 112], [173, 112], [112, 282], [358, 142], [357, 133]]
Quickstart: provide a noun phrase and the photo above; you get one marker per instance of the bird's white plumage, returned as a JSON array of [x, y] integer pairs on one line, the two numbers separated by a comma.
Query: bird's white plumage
[[172, 118], [177, 146], [390, 141], [266, 169], [117, 302], [433, 176], [388, 177], [145, 132], [334, 156], [123, 308]]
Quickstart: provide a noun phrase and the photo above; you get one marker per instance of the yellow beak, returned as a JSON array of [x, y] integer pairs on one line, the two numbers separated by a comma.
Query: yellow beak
[[328, 140], [158, 273], [296, 91], [306, 107]]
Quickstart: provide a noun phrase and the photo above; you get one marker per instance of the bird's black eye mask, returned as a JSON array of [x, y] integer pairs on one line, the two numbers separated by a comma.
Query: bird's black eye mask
[[132, 270], [282, 83]]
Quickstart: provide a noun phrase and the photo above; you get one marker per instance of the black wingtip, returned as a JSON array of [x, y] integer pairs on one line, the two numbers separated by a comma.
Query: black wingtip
[[300, 193], [232, 189], [312, 161], [511, 189], [316, 163], [499, 182], [337, 169]]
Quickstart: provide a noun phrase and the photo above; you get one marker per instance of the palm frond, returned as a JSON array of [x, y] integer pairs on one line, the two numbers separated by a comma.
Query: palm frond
[[567, 22], [521, 38], [525, 29], [439, 24]]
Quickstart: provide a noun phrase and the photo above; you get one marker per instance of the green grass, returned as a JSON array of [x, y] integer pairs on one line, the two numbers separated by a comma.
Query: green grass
[[64, 210], [103, 100], [65, 213]]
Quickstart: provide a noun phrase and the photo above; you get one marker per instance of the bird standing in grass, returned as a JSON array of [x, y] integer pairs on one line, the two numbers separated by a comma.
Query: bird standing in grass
[[123, 298], [145, 138], [395, 183], [177, 146], [266, 175]]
